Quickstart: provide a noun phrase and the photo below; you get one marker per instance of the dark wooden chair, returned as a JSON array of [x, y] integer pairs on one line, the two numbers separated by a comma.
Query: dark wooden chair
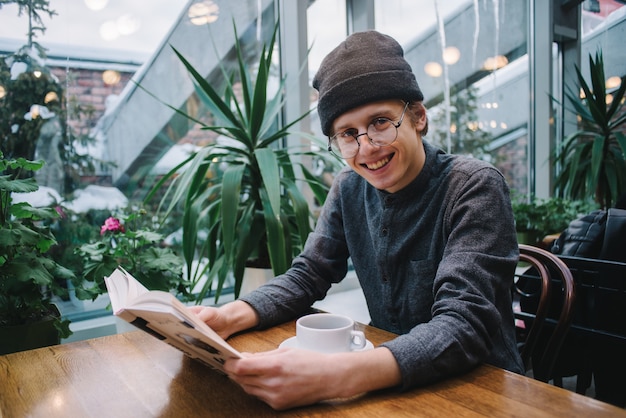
[[596, 342], [544, 285]]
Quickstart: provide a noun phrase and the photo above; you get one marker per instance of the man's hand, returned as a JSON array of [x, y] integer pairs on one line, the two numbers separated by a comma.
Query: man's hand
[[288, 377], [227, 319]]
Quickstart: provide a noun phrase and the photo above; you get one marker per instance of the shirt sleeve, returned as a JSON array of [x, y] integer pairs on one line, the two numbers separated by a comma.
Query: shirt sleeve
[[323, 261]]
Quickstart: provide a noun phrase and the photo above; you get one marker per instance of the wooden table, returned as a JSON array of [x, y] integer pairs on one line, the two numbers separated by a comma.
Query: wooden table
[[135, 375]]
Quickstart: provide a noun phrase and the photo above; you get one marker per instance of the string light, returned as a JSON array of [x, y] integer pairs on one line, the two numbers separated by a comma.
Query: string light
[[451, 55], [96, 5], [51, 96], [613, 82], [203, 13], [433, 69], [495, 63], [111, 77]]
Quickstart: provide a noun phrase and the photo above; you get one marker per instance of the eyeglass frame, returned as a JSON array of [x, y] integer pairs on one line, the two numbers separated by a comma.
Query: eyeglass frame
[[356, 136]]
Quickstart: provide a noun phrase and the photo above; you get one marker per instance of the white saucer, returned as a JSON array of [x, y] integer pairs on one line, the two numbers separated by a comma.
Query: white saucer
[[293, 343]]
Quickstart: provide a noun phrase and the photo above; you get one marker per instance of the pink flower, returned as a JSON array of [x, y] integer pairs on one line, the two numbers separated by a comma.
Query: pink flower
[[113, 225], [60, 211]]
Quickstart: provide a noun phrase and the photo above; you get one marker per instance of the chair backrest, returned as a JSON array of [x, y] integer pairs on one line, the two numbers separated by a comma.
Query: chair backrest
[[601, 292], [596, 341], [542, 279]]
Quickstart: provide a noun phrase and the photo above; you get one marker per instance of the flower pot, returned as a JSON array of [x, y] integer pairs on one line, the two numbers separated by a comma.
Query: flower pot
[[14, 338], [253, 278]]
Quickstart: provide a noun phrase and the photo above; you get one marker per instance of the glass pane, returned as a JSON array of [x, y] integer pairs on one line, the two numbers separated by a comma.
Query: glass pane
[[468, 60], [326, 28], [602, 28], [90, 51], [407, 20]]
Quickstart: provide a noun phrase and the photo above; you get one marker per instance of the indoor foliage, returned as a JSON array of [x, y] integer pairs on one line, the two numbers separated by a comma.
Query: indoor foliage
[[593, 159], [130, 241], [535, 218], [29, 277], [244, 194]]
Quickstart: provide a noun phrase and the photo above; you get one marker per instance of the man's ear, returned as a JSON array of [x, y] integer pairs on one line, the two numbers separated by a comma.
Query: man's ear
[[421, 124]]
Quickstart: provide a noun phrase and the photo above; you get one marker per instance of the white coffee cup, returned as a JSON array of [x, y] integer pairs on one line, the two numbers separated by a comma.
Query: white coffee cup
[[328, 333]]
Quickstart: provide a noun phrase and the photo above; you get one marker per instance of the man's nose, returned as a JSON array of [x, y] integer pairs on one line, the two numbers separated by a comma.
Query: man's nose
[[365, 144], [363, 134]]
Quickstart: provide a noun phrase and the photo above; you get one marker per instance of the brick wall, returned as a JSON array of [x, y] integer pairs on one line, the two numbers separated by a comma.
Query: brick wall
[[87, 88]]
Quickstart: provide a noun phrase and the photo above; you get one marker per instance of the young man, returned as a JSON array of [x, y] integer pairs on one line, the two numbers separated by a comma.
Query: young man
[[430, 235]]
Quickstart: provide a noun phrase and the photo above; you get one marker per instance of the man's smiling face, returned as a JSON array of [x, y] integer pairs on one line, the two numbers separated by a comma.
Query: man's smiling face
[[392, 167]]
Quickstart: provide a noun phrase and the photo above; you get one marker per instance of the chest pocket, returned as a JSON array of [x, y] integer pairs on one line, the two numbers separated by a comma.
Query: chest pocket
[[414, 297]]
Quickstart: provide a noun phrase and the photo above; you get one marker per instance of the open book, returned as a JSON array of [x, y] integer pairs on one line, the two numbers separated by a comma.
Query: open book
[[166, 318]]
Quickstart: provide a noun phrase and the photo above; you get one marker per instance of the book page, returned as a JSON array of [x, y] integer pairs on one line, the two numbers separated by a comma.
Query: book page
[[163, 316], [156, 300], [122, 287], [170, 328]]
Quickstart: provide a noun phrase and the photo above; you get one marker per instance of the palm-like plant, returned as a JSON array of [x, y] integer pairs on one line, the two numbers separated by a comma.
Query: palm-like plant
[[592, 159], [244, 194]]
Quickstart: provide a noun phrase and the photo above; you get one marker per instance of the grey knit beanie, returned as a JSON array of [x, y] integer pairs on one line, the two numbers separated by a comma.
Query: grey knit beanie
[[366, 67]]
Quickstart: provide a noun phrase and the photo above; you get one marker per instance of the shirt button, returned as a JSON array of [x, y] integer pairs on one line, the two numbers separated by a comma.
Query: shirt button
[[385, 231], [385, 278]]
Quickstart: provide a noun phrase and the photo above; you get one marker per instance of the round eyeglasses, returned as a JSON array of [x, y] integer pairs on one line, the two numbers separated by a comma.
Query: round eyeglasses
[[381, 132]]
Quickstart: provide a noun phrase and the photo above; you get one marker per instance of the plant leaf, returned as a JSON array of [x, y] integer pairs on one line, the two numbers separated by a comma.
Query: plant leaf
[[231, 191], [268, 166], [301, 209], [275, 236]]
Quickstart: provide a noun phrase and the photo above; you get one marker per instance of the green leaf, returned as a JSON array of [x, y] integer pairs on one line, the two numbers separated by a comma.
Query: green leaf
[[231, 189], [319, 189], [190, 233], [10, 184], [301, 208], [621, 140], [24, 164], [597, 157], [219, 108], [30, 267], [24, 210], [268, 166], [275, 237], [148, 236], [163, 259], [63, 273]]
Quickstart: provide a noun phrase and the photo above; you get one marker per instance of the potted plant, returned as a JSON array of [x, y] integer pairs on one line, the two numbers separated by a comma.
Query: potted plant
[[243, 192], [537, 218], [592, 159], [29, 277]]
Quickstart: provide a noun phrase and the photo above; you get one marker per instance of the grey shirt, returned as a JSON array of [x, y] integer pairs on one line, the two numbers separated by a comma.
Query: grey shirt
[[435, 261]]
